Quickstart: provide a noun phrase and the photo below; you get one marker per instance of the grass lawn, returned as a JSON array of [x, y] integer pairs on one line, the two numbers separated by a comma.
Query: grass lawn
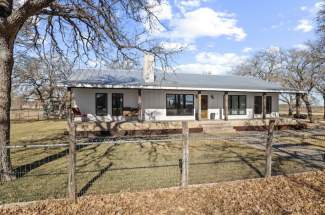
[[129, 166], [38, 132]]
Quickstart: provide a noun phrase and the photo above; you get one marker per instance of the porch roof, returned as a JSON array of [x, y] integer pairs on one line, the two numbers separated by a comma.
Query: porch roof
[[132, 79]]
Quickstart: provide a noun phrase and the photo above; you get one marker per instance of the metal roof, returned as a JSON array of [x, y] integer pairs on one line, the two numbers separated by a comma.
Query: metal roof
[[96, 78]]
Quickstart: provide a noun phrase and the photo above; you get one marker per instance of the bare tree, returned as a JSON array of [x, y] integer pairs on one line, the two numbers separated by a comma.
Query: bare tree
[[295, 69], [288, 99], [301, 71], [109, 29], [267, 65], [321, 24], [318, 54], [320, 86], [40, 78], [319, 49]]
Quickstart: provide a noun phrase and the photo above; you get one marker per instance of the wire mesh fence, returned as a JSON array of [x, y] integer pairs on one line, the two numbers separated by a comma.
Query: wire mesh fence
[[26, 114], [108, 165], [40, 171]]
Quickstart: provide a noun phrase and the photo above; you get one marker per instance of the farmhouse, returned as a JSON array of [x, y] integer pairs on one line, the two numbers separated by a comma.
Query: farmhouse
[[148, 95]]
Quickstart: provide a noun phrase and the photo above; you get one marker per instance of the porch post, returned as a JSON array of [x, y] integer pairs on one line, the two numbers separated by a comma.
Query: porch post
[[199, 105], [264, 105], [298, 104], [140, 115], [225, 106]]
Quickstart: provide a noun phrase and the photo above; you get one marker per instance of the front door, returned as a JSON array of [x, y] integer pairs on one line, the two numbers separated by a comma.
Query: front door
[[204, 107], [117, 104]]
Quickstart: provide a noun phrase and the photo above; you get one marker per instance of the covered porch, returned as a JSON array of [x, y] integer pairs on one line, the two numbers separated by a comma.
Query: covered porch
[[119, 105]]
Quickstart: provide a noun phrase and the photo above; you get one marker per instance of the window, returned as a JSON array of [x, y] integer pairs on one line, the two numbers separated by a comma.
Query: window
[[268, 104], [179, 105], [117, 104], [101, 104], [258, 105], [237, 105]]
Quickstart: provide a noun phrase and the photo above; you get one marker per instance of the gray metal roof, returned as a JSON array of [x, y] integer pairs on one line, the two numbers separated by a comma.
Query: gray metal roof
[[96, 78]]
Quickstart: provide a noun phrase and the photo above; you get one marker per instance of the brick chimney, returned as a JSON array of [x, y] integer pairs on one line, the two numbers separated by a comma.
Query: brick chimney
[[149, 68]]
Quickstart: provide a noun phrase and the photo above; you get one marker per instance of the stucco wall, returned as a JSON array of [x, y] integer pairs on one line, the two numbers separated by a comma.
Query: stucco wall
[[154, 103], [84, 98], [215, 105]]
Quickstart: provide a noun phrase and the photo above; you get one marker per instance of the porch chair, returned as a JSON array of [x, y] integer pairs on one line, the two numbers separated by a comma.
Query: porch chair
[[77, 113]]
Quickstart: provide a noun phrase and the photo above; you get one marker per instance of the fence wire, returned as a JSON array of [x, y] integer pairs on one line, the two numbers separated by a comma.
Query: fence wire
[[41, 173], [108, 165]]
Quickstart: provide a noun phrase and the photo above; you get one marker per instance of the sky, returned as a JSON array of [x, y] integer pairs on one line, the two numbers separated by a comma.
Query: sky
[[218, 34]]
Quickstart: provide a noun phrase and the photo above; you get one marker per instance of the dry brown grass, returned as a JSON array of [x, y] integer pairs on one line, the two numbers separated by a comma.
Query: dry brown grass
[[318, 111], [299, 194]]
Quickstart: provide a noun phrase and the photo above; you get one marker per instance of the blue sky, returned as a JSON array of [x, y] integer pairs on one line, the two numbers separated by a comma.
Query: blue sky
[[221, 33]]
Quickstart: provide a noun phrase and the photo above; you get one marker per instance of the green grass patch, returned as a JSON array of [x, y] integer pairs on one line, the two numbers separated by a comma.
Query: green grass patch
[[131, 166]]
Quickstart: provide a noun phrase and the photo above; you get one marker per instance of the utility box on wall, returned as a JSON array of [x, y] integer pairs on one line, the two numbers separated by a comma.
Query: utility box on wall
[[213, 116]]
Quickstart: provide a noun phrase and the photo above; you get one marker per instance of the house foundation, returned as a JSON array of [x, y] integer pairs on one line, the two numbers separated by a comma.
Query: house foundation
[[127, 128]]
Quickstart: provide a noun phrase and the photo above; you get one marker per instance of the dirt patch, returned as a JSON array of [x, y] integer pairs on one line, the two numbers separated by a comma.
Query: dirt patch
[[299, 194]]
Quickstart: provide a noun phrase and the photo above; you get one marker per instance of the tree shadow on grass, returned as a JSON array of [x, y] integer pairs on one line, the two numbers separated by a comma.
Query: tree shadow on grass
[[88, 185], [48, 140], [250, 161], [305, 159], [22, 170]]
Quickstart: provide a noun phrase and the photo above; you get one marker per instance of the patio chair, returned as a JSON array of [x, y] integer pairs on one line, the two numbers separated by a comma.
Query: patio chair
[[77, 113]]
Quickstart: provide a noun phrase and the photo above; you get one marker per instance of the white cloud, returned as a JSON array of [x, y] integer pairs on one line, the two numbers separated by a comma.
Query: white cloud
[[162, 10], [205, 22], [217, 58], [172, 45], [304, 25], [191, 47], [273, 49], [318, 5], [303, 8], [312, 9], [279, 25], [247, 50], [212, 63], [186, 5], [177, 46], [197, 68], [301, 46]]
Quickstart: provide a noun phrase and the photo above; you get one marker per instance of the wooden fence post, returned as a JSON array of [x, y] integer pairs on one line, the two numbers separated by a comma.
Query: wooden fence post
[[185, 164], [72, 187], [180, 166], [268, 152]]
